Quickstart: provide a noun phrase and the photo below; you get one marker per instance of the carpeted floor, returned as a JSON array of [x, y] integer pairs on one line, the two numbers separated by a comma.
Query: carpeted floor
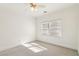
[[52, 50]]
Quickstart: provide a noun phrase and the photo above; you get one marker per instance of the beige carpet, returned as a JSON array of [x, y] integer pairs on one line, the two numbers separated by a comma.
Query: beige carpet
[[51, 50]]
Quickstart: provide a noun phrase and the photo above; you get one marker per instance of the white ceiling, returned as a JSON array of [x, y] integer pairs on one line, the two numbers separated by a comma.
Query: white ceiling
[[25, 8], [49, 7]]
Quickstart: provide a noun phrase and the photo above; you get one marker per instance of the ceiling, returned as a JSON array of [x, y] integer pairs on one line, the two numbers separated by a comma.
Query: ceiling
[[24, 8], [49, 7]]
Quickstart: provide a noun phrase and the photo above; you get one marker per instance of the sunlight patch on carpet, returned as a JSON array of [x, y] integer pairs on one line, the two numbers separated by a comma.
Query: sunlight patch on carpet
[[34, 47]]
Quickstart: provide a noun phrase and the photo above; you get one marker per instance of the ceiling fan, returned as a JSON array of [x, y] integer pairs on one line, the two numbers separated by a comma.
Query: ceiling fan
[[35, 6]]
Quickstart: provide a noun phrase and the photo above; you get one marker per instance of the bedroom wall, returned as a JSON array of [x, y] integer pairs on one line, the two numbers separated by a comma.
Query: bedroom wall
[[69, 28], [78, 26], [16, 27], [78, 31]]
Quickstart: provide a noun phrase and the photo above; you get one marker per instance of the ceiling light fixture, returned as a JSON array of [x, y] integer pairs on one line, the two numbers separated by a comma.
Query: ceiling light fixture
[[36, 6], [33, 6]]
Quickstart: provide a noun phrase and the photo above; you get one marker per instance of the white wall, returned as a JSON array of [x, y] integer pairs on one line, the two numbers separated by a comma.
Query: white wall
[[78, 31], [16, 27], [69, 38], [78, 26]]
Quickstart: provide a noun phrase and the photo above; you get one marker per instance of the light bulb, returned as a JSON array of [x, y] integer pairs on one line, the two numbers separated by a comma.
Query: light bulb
[[33, 8]]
